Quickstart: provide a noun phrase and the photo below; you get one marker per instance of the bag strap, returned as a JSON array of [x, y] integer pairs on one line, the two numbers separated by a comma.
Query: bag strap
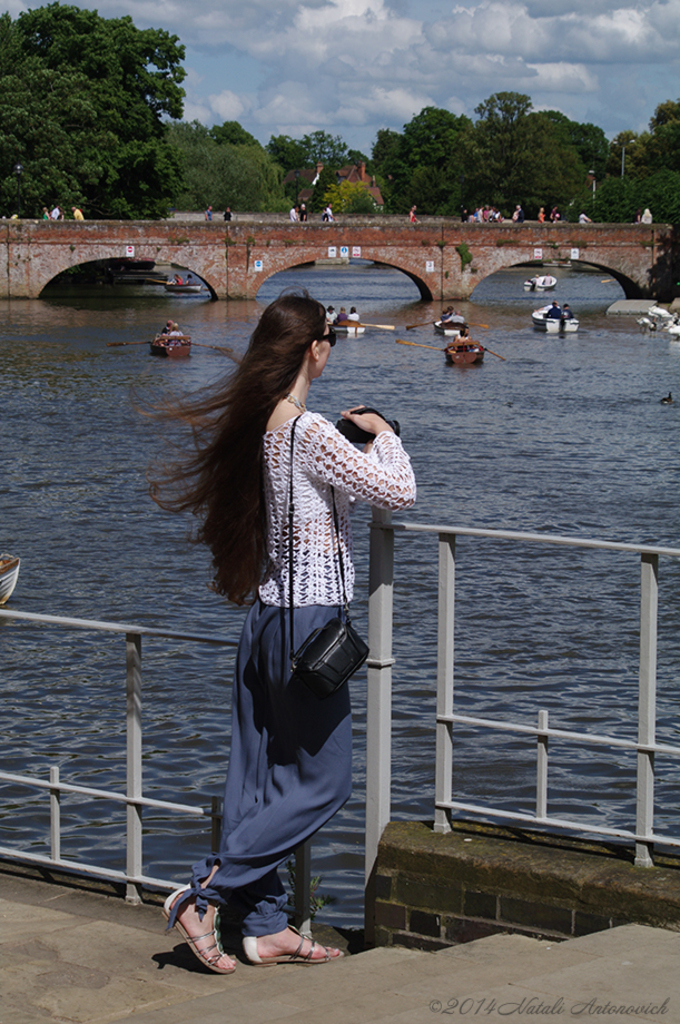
[[336, 525]]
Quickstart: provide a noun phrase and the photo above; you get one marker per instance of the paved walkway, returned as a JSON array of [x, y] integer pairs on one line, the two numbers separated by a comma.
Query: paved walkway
[[73, 955]]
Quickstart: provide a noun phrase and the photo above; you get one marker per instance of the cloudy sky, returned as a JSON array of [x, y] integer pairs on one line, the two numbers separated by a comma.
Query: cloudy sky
[[350, 67]]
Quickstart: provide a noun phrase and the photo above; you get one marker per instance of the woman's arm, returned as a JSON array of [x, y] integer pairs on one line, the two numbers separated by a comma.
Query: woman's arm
[[383, 478]]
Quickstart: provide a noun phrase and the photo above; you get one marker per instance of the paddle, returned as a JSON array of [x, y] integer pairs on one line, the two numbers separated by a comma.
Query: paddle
[[417, 344], [110, 343], [409, 327], [382, 327], [217, 348]]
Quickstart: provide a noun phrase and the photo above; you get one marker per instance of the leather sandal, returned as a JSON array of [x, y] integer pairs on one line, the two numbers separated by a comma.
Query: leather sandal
[[205, 953], [298, 957]]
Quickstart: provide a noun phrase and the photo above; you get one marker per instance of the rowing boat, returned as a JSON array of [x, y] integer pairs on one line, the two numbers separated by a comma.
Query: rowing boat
[[347, 327], [9, 573], [169, 346], [450, 328], [464, 353], [546, 283], [553, 325], [182, 289]]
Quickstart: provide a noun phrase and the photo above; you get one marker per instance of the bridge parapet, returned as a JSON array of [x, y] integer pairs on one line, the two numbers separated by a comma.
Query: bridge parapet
[[446, 259]]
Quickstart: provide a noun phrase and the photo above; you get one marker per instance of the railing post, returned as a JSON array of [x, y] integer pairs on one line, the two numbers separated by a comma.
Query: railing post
[[443, 784], [133, 647], [542, 766], [378, 701], [55, 816], [649, 603], [303, 894]]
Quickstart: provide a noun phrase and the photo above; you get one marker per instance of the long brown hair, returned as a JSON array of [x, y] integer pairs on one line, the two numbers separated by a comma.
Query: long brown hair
[[220, 481]]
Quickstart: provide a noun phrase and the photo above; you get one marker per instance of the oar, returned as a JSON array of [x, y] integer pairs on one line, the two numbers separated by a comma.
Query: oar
[[110, 343], [217, 348], [382, 327], [493, 353], [417, 344], [409, 327]]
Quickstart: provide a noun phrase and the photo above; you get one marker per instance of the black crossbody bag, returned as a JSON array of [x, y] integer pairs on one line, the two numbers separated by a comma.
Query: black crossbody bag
[[331, 654]]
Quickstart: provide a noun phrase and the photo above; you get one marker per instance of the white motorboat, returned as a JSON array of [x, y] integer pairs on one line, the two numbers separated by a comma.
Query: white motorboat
[[9, 574], [544, 283], [349, 327], [450, 328], [553, 325]]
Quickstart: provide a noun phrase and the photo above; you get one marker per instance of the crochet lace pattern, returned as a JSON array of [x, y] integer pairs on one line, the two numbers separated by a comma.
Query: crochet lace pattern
[[324, 458]]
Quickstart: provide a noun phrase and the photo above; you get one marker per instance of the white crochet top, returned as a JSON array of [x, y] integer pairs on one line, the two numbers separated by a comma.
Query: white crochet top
[[323, 458]]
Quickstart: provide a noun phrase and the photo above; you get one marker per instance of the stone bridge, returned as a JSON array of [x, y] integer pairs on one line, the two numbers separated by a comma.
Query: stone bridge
[[446, 259]]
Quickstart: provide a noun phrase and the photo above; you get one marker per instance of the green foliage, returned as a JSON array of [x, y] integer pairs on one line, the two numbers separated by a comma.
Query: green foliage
[[349, 197], [326, 180], [82, 102], [219, 174], [588, 140], [465, 255], [617, 200], [316, 902], [516, 156], [424, 165], [233, 134], [319, 147]]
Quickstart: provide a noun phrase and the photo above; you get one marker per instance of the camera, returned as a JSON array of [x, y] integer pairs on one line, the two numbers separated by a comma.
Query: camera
[[355, 434]]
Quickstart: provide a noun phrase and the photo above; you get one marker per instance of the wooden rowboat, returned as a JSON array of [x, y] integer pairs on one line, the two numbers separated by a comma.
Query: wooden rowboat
[[464, 353], [171, 347], [9, 574]]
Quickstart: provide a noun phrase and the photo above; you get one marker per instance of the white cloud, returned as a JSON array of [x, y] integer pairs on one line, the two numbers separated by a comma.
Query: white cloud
[[351, 66]]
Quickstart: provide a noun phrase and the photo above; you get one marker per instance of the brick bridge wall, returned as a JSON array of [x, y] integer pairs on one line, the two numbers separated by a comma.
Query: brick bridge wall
[[235, 259]]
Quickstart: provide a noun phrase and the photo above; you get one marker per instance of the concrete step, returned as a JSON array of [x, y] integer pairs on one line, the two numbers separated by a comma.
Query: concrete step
[[68, 955]]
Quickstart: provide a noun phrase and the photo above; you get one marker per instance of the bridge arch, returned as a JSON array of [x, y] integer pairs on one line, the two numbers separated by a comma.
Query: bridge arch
[[104, 275], [630, 288], [294, 261]]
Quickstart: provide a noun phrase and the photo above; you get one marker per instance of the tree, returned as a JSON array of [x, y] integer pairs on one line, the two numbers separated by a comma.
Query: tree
[[588, 140], [326, 179], [350, 197], [219, 174], [232, 133], [289, 154], [99, 90], [424, 164], [514, 155]]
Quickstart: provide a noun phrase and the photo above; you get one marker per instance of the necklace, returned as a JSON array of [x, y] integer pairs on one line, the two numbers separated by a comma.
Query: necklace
[[296, 402]]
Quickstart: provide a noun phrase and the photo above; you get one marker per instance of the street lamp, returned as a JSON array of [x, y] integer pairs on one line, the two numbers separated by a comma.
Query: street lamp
[[18, 170]]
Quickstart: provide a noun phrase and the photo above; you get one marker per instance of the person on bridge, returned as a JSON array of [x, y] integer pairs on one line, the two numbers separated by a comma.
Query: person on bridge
[[412, 215], [293, 214], [327, 214], [77, 213], [208, 213], [291, 753], [583, 218]]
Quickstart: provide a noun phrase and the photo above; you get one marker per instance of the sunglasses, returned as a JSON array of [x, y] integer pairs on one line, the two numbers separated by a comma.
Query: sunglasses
[[331, 338]]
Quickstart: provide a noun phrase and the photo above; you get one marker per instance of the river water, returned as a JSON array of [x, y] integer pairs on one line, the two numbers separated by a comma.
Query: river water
[[563, 436]]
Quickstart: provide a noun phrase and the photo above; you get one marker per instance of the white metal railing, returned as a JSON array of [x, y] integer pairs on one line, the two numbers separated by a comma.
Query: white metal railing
[[379, 715], [378, 768]]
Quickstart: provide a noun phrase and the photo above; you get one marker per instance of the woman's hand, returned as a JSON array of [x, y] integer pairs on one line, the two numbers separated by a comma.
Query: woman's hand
[[371, 422]]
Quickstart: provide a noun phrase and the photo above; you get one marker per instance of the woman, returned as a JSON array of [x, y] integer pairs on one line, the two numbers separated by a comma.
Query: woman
[[290, 761], [541, 215]]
